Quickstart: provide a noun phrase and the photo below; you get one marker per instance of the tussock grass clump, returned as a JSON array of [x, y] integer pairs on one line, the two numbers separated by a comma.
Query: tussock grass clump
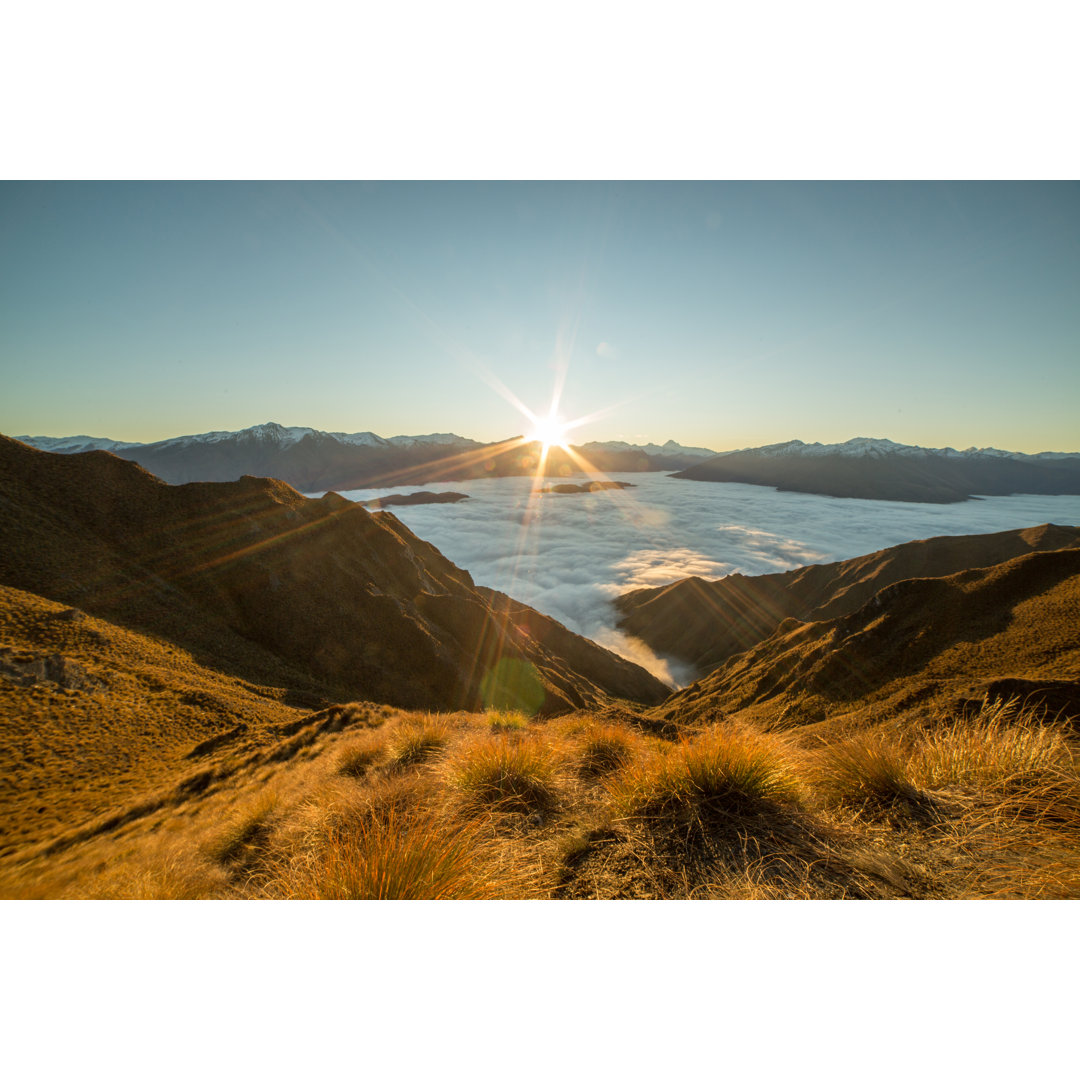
[[414, 742], [507, 721], [355, 761], [1001, 746], [389, 856], [246, 831], [604, 749], [725, 770], [511, 774], [873, 768]]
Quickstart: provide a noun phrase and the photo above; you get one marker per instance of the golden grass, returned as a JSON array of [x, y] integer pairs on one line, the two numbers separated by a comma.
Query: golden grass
[[418, 740], [723, 770], [506, 772], [1000, 746], [387, 858], [356, 760], [605, 748], [586, 806], [246, 831], [870, 769], [507, 720]]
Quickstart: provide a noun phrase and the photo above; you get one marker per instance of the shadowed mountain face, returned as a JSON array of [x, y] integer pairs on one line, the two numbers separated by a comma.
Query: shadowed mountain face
[[908, 474], [916, 646], [257, 579], [705, 623]]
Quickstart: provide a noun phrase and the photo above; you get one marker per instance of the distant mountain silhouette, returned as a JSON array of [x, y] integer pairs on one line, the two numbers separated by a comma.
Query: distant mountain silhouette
[[312, 460], [880, 469]]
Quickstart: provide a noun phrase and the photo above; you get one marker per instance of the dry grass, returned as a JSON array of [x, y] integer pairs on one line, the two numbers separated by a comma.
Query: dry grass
[[872, 769], [586, 806], [506, 772], [356, 760], [507, 721], [246, 831], [387, 857], [724, 770], [605, 748], [1000, 747], [418, 740]]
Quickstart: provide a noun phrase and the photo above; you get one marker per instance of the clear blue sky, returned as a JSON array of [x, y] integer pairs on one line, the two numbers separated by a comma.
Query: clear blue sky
[[716, 314]]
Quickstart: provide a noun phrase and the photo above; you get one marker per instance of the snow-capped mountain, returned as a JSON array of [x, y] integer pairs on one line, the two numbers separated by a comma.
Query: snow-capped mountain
[[314, 460], [877, 448], [73, 444], [865, 468], [305, 457]]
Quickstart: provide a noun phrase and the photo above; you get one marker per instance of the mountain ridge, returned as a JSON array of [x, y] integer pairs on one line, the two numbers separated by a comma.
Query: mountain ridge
[[705, 623], [254, 571], [865, 468], [314, 460]]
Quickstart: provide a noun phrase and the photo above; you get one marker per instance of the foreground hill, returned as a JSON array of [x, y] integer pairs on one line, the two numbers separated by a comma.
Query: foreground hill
[[251, 576], [881, 469], [313, 460]]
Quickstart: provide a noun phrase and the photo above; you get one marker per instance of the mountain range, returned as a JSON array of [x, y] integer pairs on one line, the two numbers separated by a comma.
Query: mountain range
[[315, 461], [864, 468], [312, 460]]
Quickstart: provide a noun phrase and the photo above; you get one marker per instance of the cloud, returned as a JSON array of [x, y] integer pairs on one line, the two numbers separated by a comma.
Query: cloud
[[570, 555], [606, 350]]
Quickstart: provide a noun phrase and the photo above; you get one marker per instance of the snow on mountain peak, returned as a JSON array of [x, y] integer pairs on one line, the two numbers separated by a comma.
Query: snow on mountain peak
[[865, 447]]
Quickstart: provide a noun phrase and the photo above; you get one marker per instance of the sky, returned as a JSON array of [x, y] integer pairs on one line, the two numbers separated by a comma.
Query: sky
[[717, 314]]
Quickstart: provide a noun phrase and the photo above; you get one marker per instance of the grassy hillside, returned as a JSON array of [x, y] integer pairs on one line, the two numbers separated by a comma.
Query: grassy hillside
[[368, 802]]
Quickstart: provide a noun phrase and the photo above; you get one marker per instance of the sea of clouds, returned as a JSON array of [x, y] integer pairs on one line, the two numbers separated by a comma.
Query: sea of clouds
[[569, 555]]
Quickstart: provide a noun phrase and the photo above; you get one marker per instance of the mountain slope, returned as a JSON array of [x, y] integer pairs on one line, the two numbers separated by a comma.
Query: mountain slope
[[704, 623], [880, 469], [919, 646], [251, 575]]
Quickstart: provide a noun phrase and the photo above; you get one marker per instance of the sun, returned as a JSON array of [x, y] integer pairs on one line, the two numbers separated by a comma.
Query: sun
[[550, 431]]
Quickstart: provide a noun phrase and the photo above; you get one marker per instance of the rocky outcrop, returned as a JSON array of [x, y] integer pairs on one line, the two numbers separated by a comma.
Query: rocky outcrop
[[29, 669]]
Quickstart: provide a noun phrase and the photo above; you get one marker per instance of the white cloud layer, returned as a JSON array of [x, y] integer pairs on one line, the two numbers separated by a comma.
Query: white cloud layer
[[568, 555]]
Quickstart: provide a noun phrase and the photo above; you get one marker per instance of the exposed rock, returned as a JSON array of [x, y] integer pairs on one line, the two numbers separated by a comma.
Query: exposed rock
[[26, 669]]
